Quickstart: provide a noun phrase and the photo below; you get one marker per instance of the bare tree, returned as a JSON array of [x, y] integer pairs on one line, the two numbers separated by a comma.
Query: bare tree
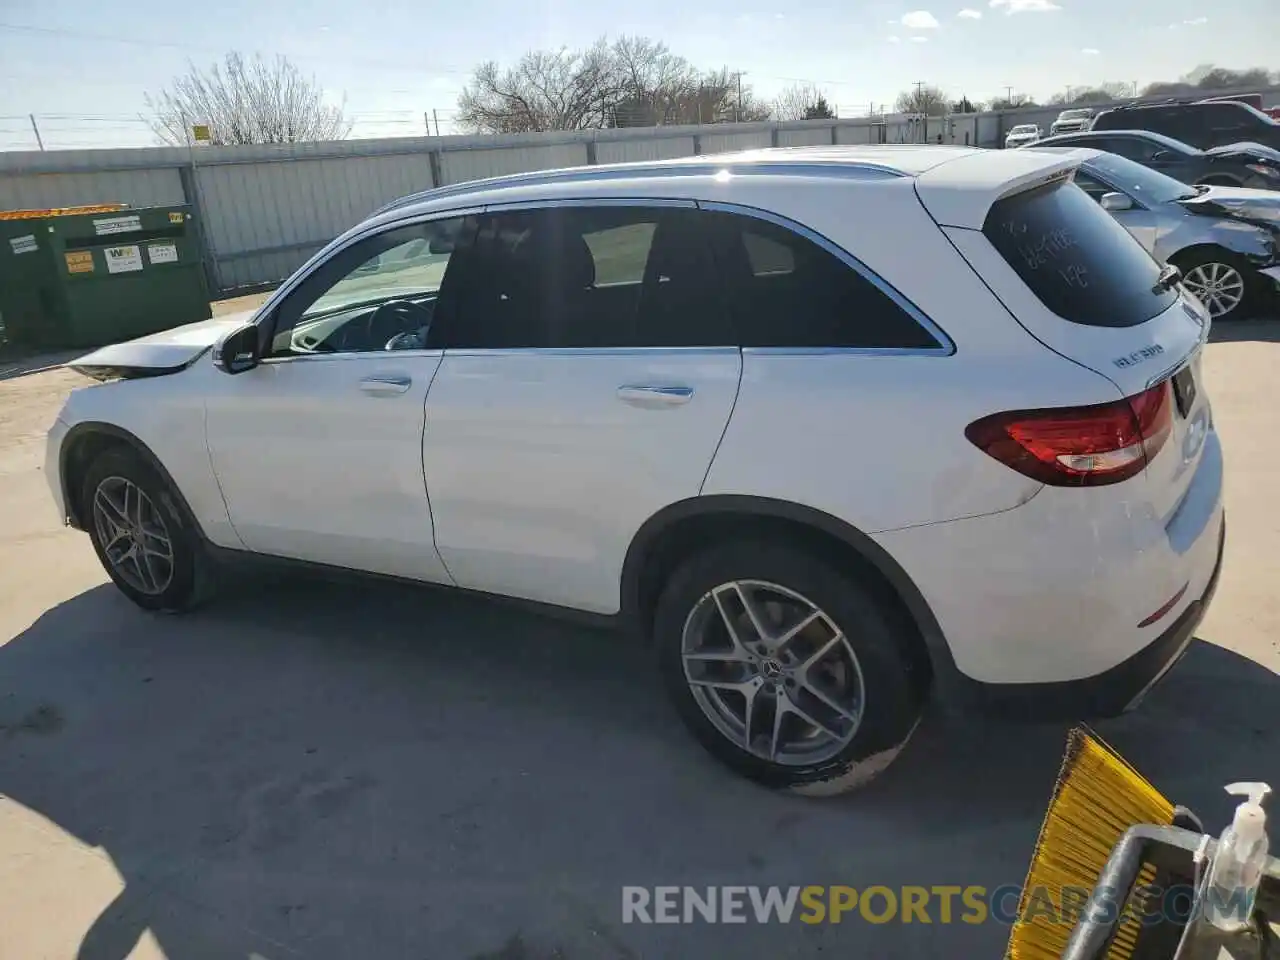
[[545, 90], [930, 101], [802, 101], [246, 102], [634, 81]]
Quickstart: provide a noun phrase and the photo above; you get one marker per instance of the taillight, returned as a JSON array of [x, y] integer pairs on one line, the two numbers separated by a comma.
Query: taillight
[[1080, 446]]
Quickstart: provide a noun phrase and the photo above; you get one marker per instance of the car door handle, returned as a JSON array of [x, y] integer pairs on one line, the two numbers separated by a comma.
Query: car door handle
[[652, 396], [385, 384]]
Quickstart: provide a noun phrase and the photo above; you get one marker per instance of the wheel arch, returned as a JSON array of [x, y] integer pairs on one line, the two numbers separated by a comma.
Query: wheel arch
[[88, 440], [678, 529]]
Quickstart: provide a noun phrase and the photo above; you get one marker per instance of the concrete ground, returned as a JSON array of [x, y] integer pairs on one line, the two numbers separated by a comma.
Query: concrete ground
[[319, 770]]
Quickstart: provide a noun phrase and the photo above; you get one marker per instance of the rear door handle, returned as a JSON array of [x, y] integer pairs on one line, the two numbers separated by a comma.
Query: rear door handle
[[385, 384], [654, 396]]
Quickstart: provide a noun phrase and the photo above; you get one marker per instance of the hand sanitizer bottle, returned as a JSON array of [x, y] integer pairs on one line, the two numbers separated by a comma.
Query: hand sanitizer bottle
[[1239, 860]]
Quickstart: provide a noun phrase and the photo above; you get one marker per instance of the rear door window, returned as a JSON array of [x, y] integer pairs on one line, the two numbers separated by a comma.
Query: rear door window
[[1075, 258]]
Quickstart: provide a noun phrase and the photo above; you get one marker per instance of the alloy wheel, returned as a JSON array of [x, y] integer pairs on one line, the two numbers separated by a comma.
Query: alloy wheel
[[133, 535], [773, 672], [1219, 286]]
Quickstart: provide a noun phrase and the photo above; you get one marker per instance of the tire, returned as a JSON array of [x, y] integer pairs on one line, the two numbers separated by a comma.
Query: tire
[[178, 585], [879, 721], [1200, 266]]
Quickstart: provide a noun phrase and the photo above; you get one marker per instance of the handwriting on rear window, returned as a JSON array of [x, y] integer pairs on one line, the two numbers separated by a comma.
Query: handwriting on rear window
[[1047, 249], [1138, 356]]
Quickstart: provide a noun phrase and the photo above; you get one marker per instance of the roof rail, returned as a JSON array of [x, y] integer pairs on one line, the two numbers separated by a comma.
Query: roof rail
[[854, 168]]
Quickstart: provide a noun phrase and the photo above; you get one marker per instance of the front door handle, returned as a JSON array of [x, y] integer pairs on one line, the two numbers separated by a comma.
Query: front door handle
[[385, 384], [654, 396]]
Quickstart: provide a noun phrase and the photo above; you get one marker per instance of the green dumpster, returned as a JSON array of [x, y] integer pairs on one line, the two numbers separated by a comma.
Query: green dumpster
[[84, 277]]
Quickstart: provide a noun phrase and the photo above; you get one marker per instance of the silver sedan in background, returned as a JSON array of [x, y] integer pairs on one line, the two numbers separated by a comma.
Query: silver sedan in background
[[1225, 240]]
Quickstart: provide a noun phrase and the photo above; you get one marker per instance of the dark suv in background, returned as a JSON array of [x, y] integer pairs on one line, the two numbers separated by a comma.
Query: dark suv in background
[[1205, 124]]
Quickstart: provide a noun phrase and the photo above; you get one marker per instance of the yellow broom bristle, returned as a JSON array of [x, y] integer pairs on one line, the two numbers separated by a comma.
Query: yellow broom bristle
[[1096, 799]]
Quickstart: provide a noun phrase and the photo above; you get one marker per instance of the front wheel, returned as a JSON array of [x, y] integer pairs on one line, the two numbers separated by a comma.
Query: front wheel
[[1219, 280], [148, 547], [785, 669]]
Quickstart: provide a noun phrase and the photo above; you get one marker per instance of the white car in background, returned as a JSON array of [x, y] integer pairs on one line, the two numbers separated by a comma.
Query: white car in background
[[1022, 135], [838, 430], [1077, 120]]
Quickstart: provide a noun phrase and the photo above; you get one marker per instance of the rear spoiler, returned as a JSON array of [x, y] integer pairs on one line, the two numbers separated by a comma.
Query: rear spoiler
[[961, 192]]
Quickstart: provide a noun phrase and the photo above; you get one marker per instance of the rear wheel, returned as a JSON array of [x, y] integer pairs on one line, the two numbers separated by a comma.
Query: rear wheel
[[1220, 280], [785, 669], [145, 542]]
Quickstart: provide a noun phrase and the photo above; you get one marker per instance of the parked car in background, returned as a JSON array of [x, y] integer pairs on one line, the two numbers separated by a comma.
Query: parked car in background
[[1225, 240], [1074, 120], [1022, 135], [1236, 165], [1203, 124], [763, 409]]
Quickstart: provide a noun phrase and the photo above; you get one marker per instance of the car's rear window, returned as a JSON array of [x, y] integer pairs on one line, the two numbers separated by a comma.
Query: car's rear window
[[1076, 259]]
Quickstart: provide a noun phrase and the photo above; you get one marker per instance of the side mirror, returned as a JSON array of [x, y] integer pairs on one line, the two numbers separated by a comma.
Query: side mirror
[[238, 351], [1115, 202]]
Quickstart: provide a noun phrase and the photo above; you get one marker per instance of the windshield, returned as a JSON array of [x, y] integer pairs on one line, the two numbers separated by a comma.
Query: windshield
[[1074, 115], [1024, 128], [1141, 183]]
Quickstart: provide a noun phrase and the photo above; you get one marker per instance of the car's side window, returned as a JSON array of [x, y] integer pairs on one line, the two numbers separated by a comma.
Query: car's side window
[[785, 290], [1134, 148], [1094, 188], [380, 293], [582, 276]]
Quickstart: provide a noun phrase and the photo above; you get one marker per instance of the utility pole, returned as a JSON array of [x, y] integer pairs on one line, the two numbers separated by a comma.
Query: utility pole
[[1008, 95], [36, 130], [426, 120], [436, 117], [738, 111]]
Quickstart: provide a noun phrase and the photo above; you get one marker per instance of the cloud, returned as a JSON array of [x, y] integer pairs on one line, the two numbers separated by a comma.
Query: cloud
[[1025, 6], [919, 39], [1197, 22], [920, 20], [895, 39], [1091, 51], [967, 14]]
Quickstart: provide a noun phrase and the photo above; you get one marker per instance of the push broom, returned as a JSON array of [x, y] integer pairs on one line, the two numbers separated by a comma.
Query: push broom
[[1110, 847]]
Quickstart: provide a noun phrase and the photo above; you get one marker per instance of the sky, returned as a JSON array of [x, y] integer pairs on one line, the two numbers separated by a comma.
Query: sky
[[83, 67]]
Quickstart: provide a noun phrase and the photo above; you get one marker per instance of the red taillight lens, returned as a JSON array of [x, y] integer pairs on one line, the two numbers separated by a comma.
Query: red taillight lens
[[1080, 446]]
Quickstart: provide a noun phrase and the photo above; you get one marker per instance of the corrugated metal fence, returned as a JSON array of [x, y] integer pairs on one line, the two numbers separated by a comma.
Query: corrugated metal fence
[[265, 209]]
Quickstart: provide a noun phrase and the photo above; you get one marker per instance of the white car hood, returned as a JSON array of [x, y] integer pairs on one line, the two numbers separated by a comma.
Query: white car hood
[[157, 353]]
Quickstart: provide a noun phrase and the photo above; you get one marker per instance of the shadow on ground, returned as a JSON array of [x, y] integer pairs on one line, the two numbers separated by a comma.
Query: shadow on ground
[[324, 770], [22, 364], [1237, 331]]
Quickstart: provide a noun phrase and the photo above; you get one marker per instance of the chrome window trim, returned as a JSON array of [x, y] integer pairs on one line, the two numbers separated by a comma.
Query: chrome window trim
[[591, 351], [946, 346]]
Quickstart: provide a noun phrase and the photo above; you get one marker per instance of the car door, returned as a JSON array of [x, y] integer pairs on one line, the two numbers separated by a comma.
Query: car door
[[588, 375], [318, 449]]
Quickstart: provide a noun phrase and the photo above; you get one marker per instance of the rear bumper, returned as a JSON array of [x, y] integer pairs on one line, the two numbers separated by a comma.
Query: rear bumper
[[1106, 694]]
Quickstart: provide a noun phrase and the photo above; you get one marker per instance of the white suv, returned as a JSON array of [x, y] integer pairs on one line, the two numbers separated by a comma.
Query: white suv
[[838, 429]]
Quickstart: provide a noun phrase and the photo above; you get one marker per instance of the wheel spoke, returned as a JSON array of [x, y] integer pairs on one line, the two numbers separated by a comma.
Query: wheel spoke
[[718, 656], [757, 622], [780, 643], [807, 717], [814, 690], [779, 715], [822, 651], [112, 512], [729, 626]]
